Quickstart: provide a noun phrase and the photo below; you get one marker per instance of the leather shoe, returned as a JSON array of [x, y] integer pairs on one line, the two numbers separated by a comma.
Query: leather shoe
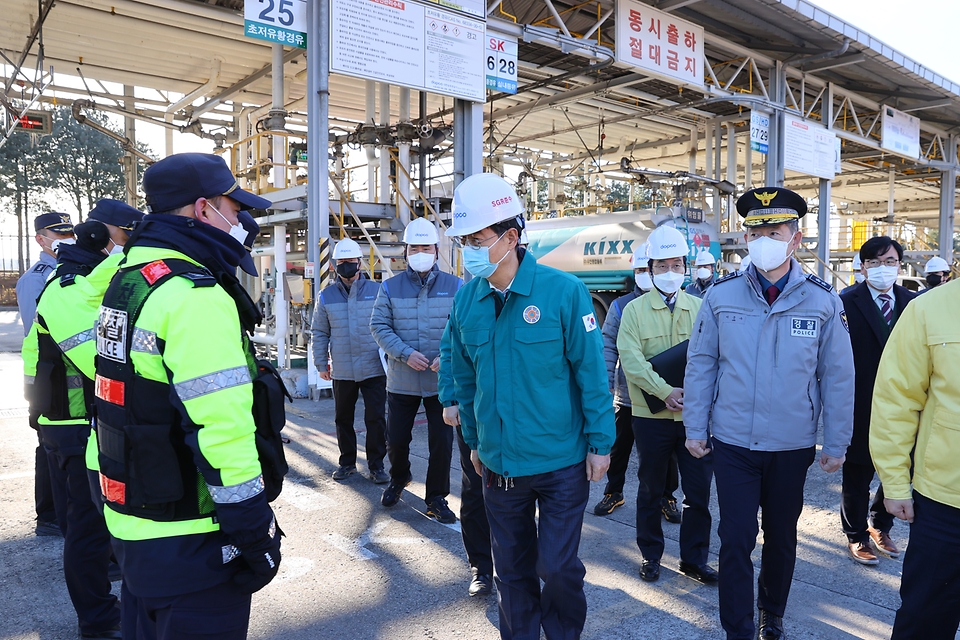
[[701, 573], [480, 585], [883, 543], [861, 552], [771, 626], [48, 529], [650, 570], [108, 634]]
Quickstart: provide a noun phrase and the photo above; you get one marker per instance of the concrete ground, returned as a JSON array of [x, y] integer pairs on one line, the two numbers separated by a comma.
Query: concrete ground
[[355, 570]]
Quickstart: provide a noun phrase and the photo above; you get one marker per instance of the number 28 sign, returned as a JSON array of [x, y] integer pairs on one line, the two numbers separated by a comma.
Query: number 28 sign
[[501, 64], [281, 21]]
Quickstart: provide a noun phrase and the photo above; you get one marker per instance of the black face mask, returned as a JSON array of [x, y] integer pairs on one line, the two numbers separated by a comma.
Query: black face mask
[[934, 279], [347, 269]]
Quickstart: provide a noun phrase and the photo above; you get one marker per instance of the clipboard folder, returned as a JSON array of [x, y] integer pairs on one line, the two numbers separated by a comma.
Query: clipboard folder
[[669, 365]]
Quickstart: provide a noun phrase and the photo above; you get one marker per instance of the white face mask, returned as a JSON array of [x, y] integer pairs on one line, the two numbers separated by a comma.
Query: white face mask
[[643, 281], [668, 282], [858, 277], [767, 253], [704, 274], [882, 278], [237, 232], [421, 262]]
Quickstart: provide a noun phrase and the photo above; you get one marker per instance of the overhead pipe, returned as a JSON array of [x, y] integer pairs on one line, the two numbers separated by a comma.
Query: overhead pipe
[[820, 56], [199, 92]]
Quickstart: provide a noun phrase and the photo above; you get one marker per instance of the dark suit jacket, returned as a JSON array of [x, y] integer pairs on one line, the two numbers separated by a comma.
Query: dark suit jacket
[[868, 335]]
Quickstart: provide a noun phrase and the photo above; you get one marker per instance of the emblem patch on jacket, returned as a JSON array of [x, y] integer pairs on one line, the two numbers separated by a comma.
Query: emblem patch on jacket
[[589, 322], [803, 328], [112, 334], [531, 315]]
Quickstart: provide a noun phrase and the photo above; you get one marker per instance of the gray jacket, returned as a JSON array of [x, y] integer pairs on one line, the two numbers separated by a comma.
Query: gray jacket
[[759, 377], [410, 315], [30, 286], [341, 323], [697, 289], [611, 329]]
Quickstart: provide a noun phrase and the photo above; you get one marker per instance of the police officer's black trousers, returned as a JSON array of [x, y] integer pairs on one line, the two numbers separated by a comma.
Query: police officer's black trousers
[[930, 587], [473, 513], [658, 440], [620, 457], [401, 414], [86, 544], [855, 504], [345, 395], [746, 482], [221, 612], [42, 487]]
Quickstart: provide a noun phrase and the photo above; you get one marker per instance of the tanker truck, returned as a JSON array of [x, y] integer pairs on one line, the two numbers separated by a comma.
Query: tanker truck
[[597, 249]]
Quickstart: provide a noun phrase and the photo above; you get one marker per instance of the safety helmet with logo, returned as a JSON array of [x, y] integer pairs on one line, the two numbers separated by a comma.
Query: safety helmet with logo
[[857, 263], [420, 231], [347, 248], [666, 242], [482, 200], [640, 260], [705, 259], [936, 264]]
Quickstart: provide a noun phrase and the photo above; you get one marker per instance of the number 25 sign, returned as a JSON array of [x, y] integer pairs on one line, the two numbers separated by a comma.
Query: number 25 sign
[[281, 21]]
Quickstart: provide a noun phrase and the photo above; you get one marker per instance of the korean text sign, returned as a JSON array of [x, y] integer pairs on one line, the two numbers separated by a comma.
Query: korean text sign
[[659, 42], [281, 21]]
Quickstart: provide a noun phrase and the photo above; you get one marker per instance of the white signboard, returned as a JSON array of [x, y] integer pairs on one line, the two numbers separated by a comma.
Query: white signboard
[[502, 64], [473, 7], [659, 42], [282, 21], [809, 148], [759, 131], [410, 44], [900, 133]]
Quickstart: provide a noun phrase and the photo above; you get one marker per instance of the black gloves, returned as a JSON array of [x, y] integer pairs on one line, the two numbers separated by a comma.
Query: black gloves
[[251, 528], [263, 561]]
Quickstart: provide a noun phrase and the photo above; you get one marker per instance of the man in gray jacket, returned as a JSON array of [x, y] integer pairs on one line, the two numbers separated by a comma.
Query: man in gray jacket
[[341, 324], [408, 321], [769, 356]]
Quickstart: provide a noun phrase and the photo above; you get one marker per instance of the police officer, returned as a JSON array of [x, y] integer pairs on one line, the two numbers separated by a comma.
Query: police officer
[[705, 265], [936, 272], [50, 228], [409, 315], [770, 355], [341, 333], [651, 325], [62, 395], [527, 365], [183, 486]]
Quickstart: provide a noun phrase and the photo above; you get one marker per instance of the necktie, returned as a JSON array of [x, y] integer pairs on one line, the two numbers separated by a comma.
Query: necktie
[[772, 292], [885, 308]]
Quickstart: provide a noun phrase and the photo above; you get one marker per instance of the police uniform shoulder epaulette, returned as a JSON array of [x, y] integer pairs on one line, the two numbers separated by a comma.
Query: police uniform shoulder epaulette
[[199, 279], [68, 279], [40, 268], [729, 276], [823, 284]]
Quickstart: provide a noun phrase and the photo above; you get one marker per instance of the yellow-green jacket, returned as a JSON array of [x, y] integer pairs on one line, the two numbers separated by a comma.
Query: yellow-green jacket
[[916, 401], [648, 328]]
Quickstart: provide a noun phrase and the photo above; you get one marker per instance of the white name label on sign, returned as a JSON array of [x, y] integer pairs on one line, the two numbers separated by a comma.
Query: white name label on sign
[[759, 131], [280, 21], [809, 148], [659, 42]]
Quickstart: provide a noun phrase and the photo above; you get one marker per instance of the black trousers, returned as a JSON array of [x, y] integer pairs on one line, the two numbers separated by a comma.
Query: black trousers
[[42, 489], [220, 612], [473, 513], [747, 481], [855, 505], [401, 414], [657, 440], [930, 587], [345, 394], [620, 457]]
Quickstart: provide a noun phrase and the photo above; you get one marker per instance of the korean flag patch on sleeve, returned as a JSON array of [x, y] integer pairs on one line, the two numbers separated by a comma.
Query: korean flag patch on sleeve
[[589, 322]]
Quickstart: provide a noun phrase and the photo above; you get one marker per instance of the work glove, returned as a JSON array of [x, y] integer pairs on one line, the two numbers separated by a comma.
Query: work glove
[[263, 561], [251, 529]]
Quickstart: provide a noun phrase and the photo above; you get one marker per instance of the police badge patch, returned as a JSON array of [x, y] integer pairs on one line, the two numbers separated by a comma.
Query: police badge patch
[[843, 320]]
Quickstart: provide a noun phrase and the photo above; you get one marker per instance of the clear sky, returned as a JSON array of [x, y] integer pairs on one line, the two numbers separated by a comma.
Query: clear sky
[[925, 30]]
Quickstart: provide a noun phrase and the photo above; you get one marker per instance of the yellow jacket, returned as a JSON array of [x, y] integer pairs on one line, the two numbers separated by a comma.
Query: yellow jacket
[[916, 400], [647, 328]]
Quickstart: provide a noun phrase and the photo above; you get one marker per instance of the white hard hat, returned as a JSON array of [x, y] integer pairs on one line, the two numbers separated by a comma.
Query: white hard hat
[[705, 258], [745, 263], [935, 265], [524, 239], [420, 231], [346, 248], [639, 260], [666, 242], [857, 264], [481, 200]]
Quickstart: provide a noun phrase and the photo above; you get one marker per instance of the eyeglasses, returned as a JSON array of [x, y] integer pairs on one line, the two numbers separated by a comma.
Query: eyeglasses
[[889, 262], [475, 243], [663, 268]]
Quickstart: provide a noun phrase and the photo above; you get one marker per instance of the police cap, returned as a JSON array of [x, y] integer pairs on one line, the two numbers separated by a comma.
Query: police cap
[[117, 213], [253, 230], [183, 178], [767, 206], [56, 222]]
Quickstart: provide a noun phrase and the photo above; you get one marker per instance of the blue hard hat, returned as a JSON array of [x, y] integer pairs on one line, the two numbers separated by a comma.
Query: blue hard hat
[[183, 178], [117, 213], [56, 222]]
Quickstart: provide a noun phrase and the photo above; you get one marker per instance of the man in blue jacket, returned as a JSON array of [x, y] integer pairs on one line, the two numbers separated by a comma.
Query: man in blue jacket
[[535, 409]]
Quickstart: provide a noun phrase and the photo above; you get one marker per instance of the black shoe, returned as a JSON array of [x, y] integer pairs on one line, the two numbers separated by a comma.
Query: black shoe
[[771, 626], [437, 508], [110, 634], [480, 584], [609, 502], [48, 529], [650, 570], [701, 573], [344, 471], [391, 495], [379, 476], [671, 513]]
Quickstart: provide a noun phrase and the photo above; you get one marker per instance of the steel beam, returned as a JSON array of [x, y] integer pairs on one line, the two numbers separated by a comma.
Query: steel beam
[[823, 229], [948, 196]]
